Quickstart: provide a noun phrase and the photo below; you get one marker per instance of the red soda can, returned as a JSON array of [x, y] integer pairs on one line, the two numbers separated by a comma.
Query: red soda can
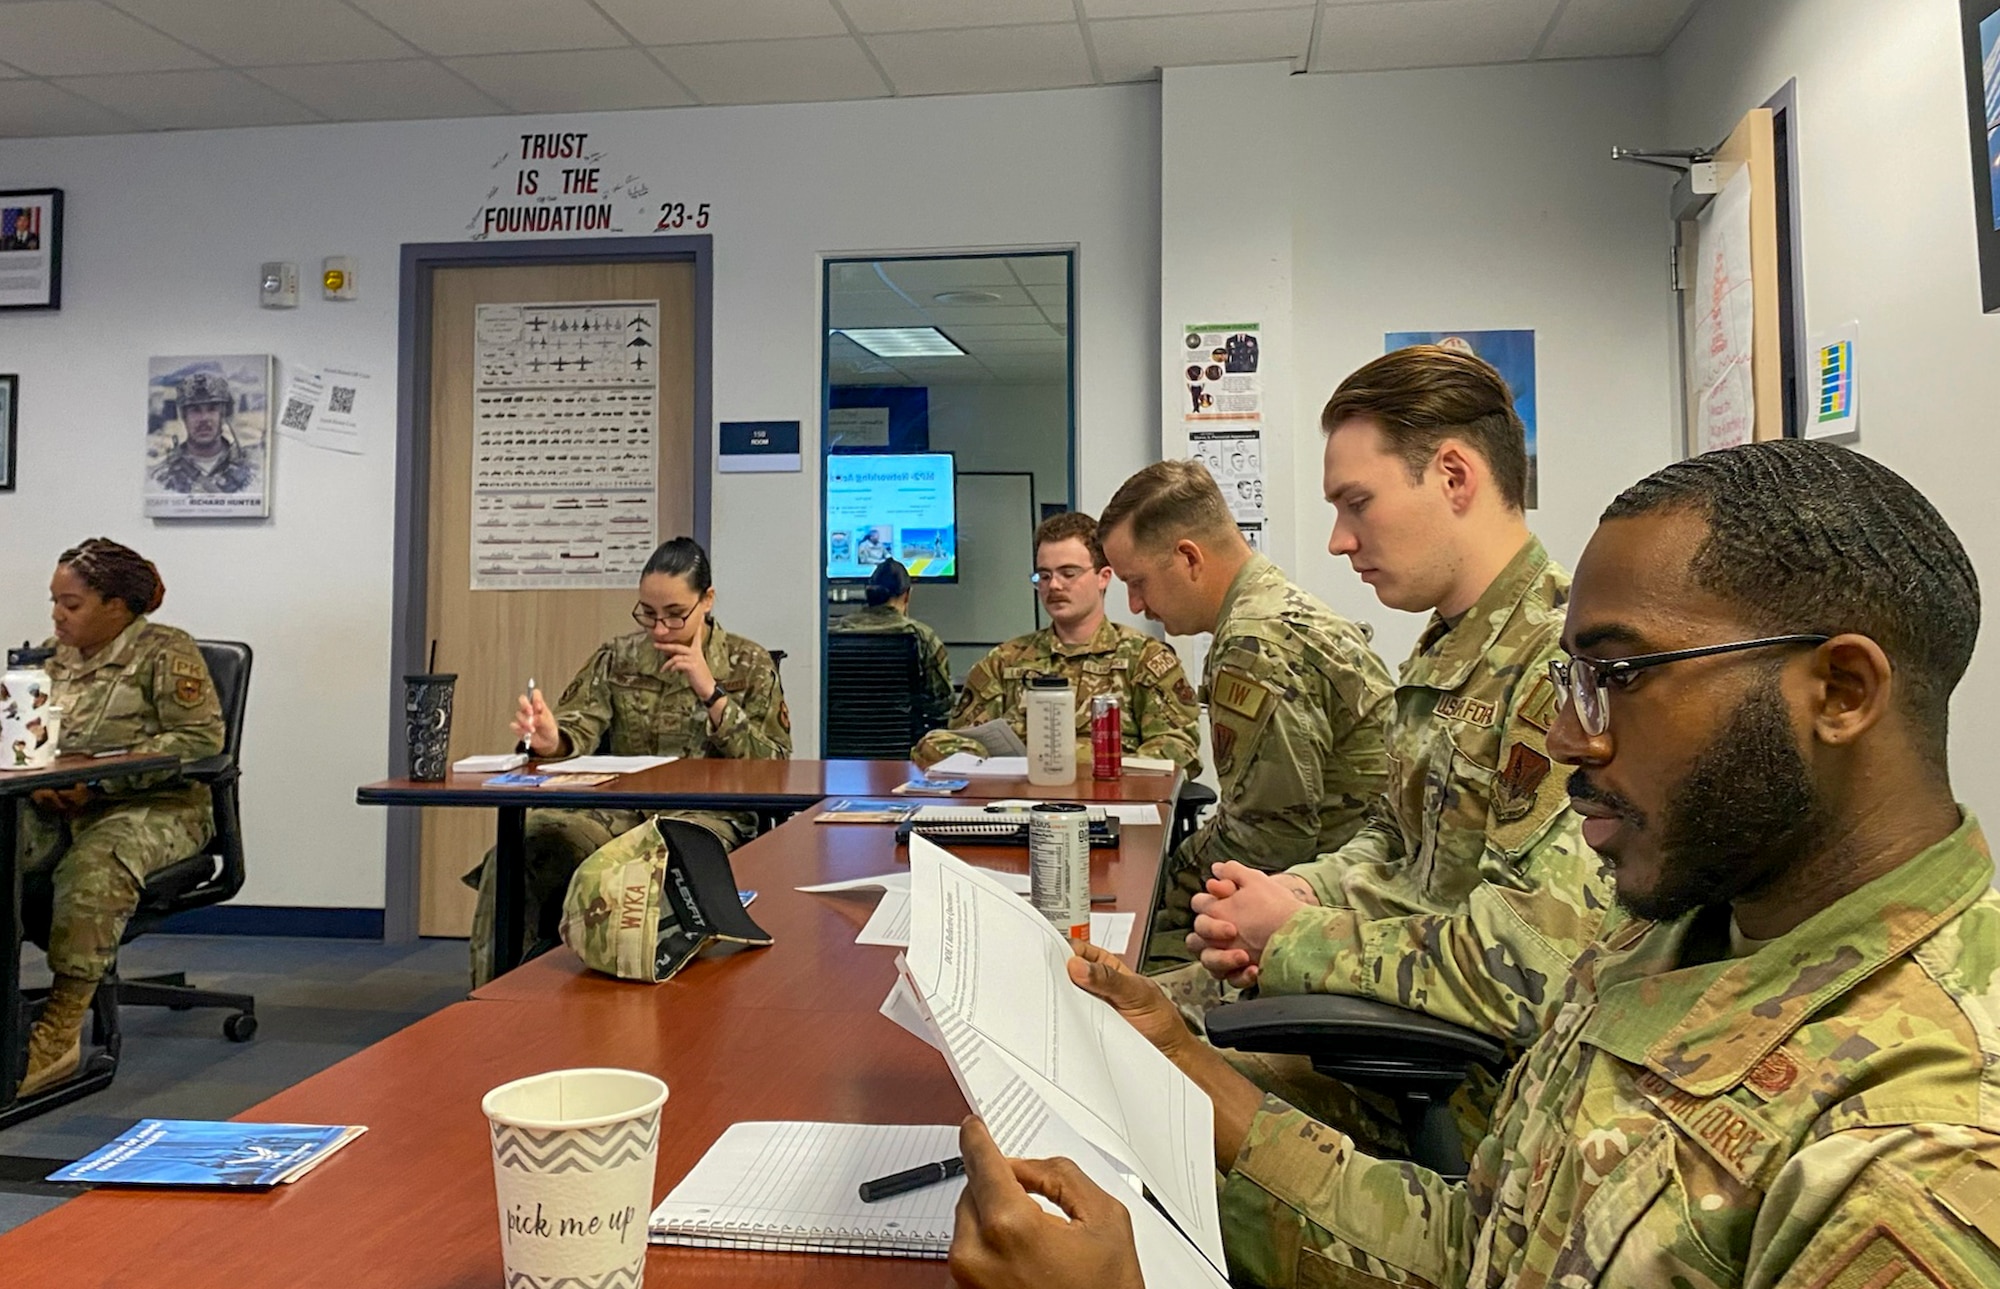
[[1107, 738]]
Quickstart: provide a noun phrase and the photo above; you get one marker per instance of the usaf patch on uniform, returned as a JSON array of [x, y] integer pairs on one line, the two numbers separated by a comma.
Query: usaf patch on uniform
[[190, 681], [1514, 788]]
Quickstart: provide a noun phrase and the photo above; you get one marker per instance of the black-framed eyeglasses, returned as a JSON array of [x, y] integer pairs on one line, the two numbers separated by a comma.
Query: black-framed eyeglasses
[[645, 617], [1586, 683], [1066, 574]]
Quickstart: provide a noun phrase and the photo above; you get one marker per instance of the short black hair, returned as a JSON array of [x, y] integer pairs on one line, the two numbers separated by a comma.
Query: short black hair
[[682, 557], [1813, 538], [889, 581]]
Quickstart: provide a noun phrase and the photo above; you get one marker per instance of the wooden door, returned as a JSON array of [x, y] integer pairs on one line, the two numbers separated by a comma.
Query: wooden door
[[1749, 153], [496, 640]]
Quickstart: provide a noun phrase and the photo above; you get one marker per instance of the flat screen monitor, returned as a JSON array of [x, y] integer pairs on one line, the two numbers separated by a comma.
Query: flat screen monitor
[[883, 505]]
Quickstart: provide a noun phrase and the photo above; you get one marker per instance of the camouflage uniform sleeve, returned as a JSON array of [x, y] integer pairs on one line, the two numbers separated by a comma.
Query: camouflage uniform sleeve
[[1852, 1208], [1168, 717], [1270, 746], [978, 703], [936, 661], [184, 702], [1499, 965], [1304, 1206], [755, 725], [583, 713], [1380, 841]]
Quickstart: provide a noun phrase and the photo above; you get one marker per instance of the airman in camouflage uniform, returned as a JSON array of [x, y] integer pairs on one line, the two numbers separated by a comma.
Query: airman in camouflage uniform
[[887, 619], [185, 470], [1469, 891], [1819, 1112], [646, 708], [1296, 706], [1156, 702], [148, 690]]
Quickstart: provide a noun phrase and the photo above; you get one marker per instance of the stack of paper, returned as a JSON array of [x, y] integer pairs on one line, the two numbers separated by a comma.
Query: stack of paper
[[492, 764], [965, 765], [608, 764], [1053, 1070]]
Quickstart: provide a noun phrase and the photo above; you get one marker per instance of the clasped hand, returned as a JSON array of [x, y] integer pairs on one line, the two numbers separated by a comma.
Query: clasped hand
[[1236, 916]]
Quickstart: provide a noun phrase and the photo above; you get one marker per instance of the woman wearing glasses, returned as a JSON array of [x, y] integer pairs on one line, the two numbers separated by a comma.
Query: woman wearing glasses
[[678, 686]]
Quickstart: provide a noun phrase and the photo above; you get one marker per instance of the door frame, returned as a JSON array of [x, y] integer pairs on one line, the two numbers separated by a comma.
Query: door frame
[[402, 877]]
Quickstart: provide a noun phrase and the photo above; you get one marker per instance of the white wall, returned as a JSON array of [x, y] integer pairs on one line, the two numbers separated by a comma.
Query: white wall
[[164, 236], [1886, 214], [1352, 205]]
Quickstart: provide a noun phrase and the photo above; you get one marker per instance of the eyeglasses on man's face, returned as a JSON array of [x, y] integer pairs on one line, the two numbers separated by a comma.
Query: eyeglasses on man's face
[[672, 619], [1060, 576], [1585, 684]]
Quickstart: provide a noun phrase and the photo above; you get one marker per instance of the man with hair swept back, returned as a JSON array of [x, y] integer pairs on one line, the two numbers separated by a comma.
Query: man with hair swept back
[[1470, 890], [1779, 1068], [1095, 654], [1296, 698]]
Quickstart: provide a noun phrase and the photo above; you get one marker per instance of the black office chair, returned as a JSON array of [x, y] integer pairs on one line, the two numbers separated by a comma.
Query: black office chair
[[1416, 1060], [1192, 803], [216, 873], [872, 710]]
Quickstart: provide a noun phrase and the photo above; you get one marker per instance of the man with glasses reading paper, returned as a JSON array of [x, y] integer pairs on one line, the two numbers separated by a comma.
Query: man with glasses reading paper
[[1096, 655], [678, 686]]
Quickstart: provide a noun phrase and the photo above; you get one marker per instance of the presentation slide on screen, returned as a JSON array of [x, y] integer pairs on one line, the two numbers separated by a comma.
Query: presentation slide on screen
[[891, 506]]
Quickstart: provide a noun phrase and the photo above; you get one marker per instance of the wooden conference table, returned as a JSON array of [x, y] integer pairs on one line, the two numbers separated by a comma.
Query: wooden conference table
[[708, 783], [785, 1032], [16, 786]]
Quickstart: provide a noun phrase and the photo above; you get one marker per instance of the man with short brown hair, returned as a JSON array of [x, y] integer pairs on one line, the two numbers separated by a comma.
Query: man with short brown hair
[[1296, 698], [1095, 654]]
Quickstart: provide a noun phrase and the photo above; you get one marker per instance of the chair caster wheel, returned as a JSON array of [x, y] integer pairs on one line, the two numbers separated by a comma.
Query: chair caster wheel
[[240, 1028]]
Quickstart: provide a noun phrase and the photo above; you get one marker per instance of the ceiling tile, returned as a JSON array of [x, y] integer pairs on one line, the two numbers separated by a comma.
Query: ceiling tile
[[921, 279], [1095, 9], [817, 69], [846, 314], [1132, 49], [6, 71], [1041, 270], [1608, 28], [977, 335], [253, 32], [957, 315], [681, 22], [79, 37], [201, 100], [992, 59], [1052, 298], [412, 89], [924, 15], [37, 108], [496, 26], [577, 80], [1428, 33]]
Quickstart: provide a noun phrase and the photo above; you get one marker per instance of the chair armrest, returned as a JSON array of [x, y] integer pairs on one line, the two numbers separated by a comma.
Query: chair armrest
[[1334, 1029], [220, 768]]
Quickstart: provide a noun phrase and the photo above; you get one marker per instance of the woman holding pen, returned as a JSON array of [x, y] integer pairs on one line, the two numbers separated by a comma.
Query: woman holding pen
[[678, 686]]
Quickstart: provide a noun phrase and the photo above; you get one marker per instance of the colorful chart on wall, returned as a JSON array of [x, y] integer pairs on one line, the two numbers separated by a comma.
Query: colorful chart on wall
[[1512, 354], [565, 444]]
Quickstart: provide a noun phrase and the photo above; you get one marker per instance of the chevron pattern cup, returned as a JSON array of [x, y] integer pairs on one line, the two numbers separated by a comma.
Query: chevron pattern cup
[[573, 1159]]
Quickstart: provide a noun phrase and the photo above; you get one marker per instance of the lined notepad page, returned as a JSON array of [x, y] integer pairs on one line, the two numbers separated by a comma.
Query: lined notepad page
[[796, 1187]]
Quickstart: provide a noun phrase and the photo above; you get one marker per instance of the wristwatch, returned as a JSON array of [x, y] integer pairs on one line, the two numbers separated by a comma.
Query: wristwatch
[[718, 692]]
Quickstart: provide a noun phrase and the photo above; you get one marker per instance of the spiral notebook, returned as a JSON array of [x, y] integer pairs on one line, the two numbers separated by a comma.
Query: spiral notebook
[[795, 1187]]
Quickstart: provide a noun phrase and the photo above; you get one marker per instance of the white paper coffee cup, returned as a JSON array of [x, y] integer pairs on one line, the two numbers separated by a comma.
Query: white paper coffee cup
[[573, 1159]]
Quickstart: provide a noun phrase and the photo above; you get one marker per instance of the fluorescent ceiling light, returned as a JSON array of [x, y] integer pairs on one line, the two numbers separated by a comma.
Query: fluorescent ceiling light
[[902, 342]]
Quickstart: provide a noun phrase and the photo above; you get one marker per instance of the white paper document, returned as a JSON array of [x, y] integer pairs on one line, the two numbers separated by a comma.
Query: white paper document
[[965, 765], [900, 881], [992, 974], [608, 764], [1143, 812], [490, 764]]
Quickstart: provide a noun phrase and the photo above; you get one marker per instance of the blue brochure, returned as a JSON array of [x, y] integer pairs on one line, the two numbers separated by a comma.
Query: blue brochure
[[194, 1152]]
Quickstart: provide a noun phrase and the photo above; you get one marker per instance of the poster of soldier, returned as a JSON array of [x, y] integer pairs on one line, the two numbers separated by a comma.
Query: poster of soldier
[[208, 437]]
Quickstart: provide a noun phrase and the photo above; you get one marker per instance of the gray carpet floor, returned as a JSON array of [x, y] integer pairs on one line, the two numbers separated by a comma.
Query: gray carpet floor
[[318, 1001]]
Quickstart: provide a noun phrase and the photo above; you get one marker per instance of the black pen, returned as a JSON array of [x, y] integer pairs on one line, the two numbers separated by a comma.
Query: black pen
[[912, 1179]]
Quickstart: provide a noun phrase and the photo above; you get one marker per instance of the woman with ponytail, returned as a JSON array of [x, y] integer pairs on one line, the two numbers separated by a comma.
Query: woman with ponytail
[[124, 683]]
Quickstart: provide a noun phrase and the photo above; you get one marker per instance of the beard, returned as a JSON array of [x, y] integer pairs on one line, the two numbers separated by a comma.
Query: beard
[[1747, 811]]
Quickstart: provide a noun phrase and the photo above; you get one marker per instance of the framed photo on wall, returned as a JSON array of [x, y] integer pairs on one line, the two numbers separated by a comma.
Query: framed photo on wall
[[10, 402], [1982, 99], [31, 248], [208, 437]]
